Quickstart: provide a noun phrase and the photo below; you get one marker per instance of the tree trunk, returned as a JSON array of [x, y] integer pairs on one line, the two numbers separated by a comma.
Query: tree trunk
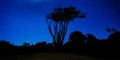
[[58, 43]]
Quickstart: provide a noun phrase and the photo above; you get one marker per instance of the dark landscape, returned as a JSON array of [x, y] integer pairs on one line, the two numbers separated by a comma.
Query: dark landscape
[[78, 46]]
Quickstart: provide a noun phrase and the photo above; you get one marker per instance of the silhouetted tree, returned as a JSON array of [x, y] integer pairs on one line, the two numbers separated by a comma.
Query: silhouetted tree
[[77, 40], [49, 47], [77, 36], [113, 29], [58, 21], [114, 43], [4, 43], [114, 39], [92, 41], [5, 47], [102, 44], [108, 29], [68, 46], [41, 46], [25, 44]]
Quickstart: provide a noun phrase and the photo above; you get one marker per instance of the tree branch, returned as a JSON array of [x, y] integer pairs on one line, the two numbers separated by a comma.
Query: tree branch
[[49, 27]]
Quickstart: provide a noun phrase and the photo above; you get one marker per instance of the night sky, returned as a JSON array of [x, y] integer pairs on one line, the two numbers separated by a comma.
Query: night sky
[[24, 20]]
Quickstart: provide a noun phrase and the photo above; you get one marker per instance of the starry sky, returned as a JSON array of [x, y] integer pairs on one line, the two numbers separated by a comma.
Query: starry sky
[[24, 20]]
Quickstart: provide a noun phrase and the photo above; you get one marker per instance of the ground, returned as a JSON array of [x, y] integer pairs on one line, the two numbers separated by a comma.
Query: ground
[[52, 56]]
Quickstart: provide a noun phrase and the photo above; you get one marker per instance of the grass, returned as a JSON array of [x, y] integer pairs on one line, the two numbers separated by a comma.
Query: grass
[[51, 56]]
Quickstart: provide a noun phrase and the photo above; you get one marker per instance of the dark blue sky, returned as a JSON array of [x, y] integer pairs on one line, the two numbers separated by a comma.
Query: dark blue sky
[[24, 20]]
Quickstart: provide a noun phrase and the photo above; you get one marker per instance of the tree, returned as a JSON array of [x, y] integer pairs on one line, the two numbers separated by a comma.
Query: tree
[[5, 47], [111, 30], [114, 30], [77, 40], [77, 36], [92, 41], [114, 38], [58, 20], [25, 44], [108, 29]]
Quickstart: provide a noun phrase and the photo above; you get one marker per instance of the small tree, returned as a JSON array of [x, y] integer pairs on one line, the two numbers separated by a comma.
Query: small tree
[[58, 20]]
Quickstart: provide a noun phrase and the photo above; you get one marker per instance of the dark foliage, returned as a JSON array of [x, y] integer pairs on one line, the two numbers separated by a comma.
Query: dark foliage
[[5, 47], [77, 43], [58, 21], [77, 40]]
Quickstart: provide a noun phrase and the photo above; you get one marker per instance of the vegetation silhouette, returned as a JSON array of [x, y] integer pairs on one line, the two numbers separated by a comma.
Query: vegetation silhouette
[[78, 42], [111, 30], [58, 20], [5, 47], [91, 41], [114, 39], [108, 30]]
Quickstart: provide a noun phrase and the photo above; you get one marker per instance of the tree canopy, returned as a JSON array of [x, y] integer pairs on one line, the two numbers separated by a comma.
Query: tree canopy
[[58, 20]]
